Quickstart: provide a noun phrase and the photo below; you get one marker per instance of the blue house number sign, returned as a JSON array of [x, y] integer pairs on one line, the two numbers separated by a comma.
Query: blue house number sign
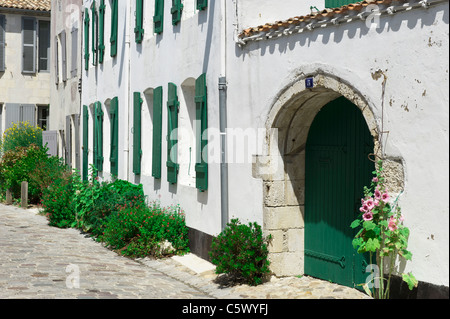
[[309, 83]]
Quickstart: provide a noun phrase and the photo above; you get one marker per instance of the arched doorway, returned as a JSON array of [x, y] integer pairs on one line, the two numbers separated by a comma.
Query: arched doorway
[[336, 170], [283, 170]]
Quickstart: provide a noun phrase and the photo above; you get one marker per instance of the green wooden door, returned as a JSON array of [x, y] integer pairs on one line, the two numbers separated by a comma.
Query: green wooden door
[[337, 169]]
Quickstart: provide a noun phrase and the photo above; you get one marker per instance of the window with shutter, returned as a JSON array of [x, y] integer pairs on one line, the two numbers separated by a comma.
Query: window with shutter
[[86, 39], [157, 131], [202, 4], [138, 29], [94, 33], [158, 18], [177, 8], [337, 3], [101, 31], [28, 45], [201, 116], [114, 156], [114, 26], [44, 46], [85, 143], [172, 134], [2, 43], [137, 152]]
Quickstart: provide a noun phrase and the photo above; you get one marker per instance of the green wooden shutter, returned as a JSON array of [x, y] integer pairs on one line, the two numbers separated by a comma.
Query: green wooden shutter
[[85, 142], [114, 156], [202, 4], [114, 26], [172, 134], [101, 31], [137, 151], [138, 29], [94, 33], [201, 106], [337, 3], [98, 137], [86, 39], [177, 8], [157, 131], [94, 137], [158, 18]]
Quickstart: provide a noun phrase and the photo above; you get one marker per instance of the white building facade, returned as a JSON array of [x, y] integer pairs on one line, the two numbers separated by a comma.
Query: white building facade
[[65, 83], [260, 101], [24, 63]]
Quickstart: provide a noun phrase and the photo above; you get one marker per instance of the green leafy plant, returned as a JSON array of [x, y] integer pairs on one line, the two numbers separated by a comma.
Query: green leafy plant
[[21, 134], [95, 201], [31, 164], [241, 252], [382, 234], [57, 202], [139, 231]]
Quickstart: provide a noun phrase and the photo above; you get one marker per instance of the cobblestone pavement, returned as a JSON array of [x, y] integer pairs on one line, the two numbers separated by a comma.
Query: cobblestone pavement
[[39, 261]]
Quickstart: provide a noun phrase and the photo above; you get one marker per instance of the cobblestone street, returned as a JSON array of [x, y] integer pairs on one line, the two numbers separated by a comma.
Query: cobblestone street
[[39, 261]]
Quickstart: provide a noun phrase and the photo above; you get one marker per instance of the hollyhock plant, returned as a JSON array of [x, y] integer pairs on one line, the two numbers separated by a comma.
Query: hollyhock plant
[[381, 234]]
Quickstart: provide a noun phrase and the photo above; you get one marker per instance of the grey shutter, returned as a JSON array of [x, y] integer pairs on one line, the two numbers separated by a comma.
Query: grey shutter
[[68, 150], [74, 53], [49, 139], [28, 113], [44, 45], [63, 55], [12, 114], [2, 43], [76, 121], [56, 61], [28, 45]]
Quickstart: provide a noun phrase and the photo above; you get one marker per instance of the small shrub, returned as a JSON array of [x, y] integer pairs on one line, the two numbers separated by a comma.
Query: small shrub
[[95, 201], [57, 202], [139, 231], [21, 134], [31, 164], [241, 252]]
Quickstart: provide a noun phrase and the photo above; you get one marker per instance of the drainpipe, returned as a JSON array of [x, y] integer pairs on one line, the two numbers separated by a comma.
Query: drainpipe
[[127, 90], [223, 118], [223, 150]]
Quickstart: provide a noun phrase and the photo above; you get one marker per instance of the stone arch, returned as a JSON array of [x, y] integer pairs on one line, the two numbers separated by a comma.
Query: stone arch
[[283, 171]]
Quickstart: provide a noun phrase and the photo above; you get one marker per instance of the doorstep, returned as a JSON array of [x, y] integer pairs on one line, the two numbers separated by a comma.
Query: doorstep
[[195, 263]]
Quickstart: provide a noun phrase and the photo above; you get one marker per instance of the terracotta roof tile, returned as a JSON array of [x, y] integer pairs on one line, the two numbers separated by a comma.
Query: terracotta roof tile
[[353, 8], [38, 5]]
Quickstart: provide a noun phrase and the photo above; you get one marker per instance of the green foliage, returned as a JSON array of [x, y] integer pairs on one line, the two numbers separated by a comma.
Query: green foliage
[[241, 251], [139, 231], [31, 164], [21, 134], [382, 232], [57, 202], [95, 201]]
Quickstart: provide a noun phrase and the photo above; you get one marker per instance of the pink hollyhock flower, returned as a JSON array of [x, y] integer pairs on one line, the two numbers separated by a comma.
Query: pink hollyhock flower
[[377, 194], [370, 203], [375, 179], [362, 209], [393, 224], [367, 216], [385, 197], [401, 218]]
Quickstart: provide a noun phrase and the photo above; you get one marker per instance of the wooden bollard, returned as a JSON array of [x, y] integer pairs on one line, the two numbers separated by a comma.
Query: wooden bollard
[[8, 197], [24, 195]]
